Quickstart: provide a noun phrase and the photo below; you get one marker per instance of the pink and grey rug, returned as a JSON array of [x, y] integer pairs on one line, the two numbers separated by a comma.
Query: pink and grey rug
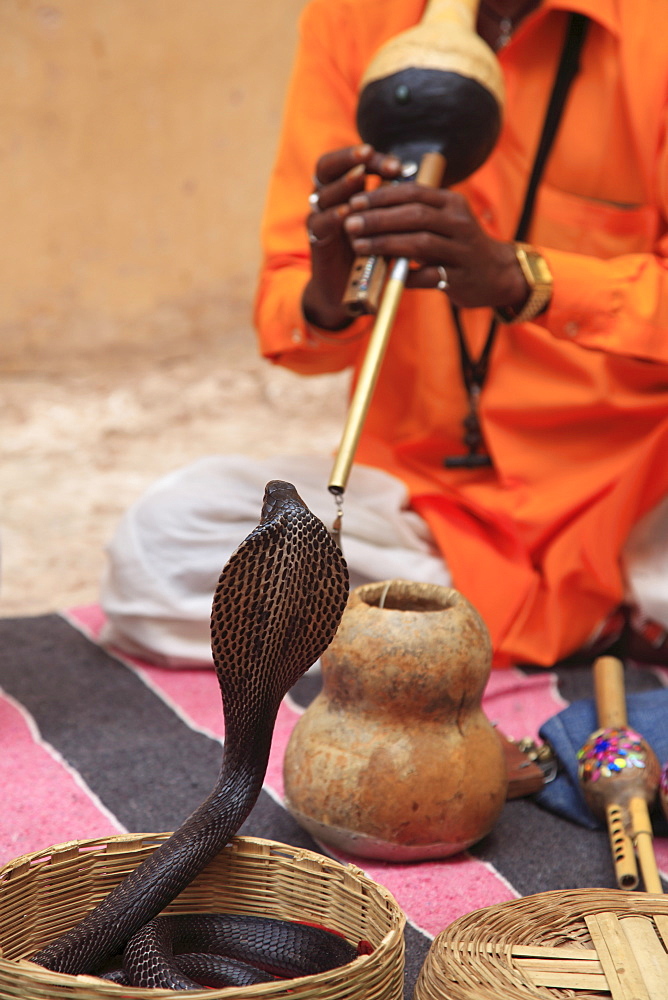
[[93, 745]]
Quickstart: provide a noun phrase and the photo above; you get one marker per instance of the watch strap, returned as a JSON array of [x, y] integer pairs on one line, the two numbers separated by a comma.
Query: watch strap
[[538, 277]]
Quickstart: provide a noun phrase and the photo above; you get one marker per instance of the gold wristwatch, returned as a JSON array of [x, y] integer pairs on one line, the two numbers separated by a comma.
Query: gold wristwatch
[[539, 279]]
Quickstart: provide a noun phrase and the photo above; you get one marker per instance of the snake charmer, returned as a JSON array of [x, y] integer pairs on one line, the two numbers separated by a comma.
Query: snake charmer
[[544, 356]]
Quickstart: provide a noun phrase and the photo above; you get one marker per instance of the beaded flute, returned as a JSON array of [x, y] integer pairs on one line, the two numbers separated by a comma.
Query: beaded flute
[[619, 777]]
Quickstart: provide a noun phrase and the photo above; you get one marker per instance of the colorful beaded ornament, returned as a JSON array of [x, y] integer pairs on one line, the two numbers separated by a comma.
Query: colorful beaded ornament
[[608, 752], [663, 789]]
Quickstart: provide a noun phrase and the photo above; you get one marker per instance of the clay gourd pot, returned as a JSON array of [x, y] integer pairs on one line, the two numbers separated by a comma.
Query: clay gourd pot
[[395, 759]]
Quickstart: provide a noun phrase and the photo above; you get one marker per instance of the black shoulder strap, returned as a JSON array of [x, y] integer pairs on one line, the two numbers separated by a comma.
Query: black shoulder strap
[[576, 32], [474, 372]]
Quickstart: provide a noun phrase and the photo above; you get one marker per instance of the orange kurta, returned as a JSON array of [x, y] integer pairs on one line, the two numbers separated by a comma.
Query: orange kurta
[[575, 407]]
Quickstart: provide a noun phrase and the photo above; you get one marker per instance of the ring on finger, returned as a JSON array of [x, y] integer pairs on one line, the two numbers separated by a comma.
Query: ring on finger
[[314, 201], [318, 241], [443, 283]]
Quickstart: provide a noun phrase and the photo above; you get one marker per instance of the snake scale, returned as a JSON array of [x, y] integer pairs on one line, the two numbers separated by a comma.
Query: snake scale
[[276, 608]]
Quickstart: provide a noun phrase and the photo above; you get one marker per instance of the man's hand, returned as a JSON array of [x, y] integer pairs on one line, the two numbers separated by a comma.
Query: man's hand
[[339, 176], [434, 227]]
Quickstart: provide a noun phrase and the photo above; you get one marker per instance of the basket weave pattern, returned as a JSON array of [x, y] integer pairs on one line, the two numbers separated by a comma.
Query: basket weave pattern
[[42, 895], [480, 956]]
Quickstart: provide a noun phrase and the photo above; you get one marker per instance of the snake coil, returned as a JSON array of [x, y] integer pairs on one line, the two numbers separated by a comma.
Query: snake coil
[[276, 608]]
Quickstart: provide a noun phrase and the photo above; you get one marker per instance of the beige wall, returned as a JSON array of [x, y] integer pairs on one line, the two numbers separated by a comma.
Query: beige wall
[[136, 138]]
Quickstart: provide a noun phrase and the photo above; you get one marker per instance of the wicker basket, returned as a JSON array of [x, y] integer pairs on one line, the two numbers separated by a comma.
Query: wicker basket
[[585, 944], [42, 895]]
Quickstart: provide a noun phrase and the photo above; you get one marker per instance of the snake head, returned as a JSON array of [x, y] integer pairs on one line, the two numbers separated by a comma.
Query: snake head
[[277, 606], [279, 496]]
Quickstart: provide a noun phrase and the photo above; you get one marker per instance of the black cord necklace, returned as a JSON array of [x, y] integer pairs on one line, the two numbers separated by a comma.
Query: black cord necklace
[[474, 372]]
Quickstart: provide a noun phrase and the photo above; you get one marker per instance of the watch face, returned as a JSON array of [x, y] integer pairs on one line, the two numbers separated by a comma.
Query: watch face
[[538, 277], [540, 269], [535, 267]]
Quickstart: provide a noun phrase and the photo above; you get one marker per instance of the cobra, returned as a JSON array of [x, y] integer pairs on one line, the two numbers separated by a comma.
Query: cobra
[[276, 608]]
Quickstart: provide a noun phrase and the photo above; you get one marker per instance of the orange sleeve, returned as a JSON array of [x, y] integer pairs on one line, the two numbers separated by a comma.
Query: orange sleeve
[[617, 305], [319, 116]]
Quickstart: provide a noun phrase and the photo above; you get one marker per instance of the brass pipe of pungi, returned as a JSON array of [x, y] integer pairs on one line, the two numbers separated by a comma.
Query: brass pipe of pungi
[[432, 96]]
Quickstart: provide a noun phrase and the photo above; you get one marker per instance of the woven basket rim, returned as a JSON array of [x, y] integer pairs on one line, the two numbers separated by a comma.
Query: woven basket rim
[[269, 857], [152, 838], [473, 956]]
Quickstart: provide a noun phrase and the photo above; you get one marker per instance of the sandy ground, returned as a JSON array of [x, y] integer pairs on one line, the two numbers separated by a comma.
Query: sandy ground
[[82, 438]]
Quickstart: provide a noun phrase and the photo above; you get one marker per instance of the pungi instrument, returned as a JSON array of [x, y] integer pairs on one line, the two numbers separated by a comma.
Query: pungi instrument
[[619, 777], [433, 96]]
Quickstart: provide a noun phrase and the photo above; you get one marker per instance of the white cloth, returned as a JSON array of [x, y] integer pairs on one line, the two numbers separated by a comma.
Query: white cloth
[[170, 547], [646, 565]]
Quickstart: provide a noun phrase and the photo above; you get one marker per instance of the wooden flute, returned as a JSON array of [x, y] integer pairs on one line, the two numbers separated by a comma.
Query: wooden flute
[[619, 777]]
